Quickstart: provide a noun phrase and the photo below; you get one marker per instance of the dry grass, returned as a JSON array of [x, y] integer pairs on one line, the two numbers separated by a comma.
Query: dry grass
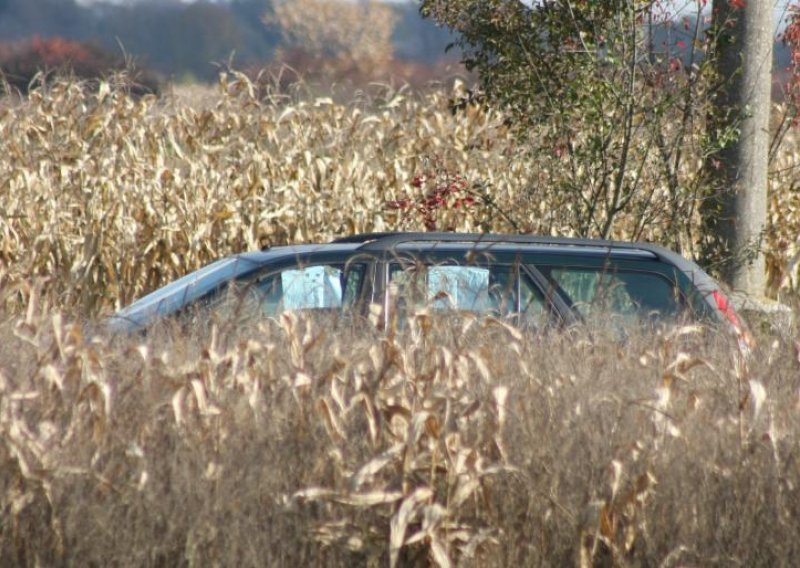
[[105, 196], [132, 193], [292, 442], [300, 442]]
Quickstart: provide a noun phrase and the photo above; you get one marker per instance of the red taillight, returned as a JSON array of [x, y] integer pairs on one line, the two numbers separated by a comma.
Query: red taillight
[[726, 308]]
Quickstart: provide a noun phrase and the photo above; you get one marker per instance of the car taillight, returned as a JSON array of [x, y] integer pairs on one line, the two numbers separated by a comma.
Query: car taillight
[[726, 308]]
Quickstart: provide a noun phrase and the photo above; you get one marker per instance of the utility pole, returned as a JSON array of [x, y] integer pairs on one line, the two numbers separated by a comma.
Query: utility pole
[[735, 212]]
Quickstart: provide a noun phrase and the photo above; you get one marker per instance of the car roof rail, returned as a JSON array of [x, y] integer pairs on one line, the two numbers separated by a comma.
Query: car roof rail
[[389, 240], [366, 237]]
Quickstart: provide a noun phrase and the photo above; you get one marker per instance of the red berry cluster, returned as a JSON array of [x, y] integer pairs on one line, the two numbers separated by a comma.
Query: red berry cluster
[[439, 192]]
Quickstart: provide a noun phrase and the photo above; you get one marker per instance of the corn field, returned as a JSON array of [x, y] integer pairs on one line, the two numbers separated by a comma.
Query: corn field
[[294, 441], [104, 196]]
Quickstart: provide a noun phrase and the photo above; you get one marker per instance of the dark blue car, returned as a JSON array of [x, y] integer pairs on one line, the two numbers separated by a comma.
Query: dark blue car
[[536, 281]]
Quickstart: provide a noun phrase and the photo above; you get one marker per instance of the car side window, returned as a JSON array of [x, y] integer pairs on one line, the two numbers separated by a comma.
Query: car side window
[[353, 282], [497, 290], [323, 286], [443, 287], [595, 290]]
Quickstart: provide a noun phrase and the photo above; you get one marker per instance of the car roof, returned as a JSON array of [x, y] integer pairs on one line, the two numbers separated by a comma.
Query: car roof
[[505, 248], [399, 241], [272, 254], [390, 241], [387, 242], [429, 246]]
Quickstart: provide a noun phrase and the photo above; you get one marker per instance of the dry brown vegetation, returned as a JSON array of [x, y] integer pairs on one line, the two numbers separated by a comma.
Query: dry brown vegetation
[[295, 442], [106, 196]]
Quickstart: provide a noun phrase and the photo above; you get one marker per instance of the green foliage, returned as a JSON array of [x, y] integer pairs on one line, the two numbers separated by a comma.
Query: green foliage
[[609, 117], [528, 57]]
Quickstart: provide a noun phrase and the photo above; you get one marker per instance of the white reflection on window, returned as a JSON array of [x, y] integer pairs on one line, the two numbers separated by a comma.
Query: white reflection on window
[[459, 287], [312, 287]]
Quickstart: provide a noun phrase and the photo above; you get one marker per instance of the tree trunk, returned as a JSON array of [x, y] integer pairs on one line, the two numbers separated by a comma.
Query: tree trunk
[[735, 211]]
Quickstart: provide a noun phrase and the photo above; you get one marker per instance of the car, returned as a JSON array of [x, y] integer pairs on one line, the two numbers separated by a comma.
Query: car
[[534, 281]]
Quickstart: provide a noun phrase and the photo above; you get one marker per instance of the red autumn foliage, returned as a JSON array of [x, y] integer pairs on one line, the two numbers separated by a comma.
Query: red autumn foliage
[[20, 61], [439, 192], [791, 37]]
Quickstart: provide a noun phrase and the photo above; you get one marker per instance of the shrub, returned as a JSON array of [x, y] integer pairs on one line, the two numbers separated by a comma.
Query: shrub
[[22, 62], [349, 37]]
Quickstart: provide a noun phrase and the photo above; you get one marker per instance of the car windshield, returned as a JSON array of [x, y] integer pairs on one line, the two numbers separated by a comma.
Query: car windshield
[[185, 289]]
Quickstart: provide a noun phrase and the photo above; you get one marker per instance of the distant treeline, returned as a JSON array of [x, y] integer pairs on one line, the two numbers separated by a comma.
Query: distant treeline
[[185, 40]]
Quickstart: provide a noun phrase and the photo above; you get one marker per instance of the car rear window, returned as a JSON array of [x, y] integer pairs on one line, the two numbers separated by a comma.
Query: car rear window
[[598, 290]]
